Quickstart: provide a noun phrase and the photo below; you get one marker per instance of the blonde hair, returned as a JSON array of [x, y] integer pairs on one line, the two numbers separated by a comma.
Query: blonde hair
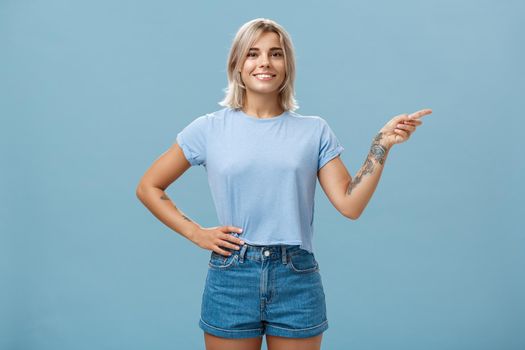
[[247, 34]]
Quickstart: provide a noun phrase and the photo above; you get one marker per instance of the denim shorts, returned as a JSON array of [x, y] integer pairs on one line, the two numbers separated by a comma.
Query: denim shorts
[[272, 289]]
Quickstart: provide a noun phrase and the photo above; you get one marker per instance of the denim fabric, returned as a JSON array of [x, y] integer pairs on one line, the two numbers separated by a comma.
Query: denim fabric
[[273, 289]]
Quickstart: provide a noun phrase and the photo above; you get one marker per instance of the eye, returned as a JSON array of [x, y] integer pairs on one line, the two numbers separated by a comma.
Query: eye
[[253, 54]]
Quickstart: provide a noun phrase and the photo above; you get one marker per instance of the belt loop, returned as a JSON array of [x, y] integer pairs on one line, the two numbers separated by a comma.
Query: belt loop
[[242, 252], [283, 254]]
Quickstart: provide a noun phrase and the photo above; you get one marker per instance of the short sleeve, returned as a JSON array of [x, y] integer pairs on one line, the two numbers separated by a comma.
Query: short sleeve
[[193, 139], [329, 145]]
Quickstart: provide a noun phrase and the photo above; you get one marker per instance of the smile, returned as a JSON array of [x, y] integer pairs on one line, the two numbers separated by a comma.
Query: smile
[[264, 77]]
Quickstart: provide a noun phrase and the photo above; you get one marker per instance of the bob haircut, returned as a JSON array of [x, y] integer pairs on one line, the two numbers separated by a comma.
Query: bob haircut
[[247, 34]]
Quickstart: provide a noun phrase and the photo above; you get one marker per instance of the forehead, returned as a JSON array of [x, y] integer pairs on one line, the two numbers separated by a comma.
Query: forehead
[[267, 40]]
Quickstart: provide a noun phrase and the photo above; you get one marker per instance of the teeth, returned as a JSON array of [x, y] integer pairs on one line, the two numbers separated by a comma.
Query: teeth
[[263, 75]]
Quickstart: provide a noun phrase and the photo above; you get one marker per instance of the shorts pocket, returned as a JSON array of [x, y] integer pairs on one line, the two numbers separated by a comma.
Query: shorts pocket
[[303, 261], [221, 262]]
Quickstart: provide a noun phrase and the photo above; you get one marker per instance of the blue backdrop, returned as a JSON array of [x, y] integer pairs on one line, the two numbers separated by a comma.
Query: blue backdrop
[[92, 92]]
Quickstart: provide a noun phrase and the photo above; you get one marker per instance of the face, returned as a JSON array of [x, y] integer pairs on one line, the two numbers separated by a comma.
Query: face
[[265, 56]]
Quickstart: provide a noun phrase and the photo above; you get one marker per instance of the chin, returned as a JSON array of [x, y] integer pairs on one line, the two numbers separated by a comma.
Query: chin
[[266, 90]]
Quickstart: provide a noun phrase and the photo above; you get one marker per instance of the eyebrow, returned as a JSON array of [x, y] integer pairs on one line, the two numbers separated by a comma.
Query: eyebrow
[[273, 48]]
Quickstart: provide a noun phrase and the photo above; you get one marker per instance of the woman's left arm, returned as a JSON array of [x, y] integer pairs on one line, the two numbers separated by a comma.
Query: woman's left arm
[[350, 197]]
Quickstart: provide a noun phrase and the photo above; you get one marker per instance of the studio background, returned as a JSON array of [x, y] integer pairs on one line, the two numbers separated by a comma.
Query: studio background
[[92, 92]]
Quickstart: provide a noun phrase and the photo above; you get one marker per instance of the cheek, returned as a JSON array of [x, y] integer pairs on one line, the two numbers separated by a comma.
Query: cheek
[[245, 71], [282, 72], [246, 74], [280, 67], [248, 67]]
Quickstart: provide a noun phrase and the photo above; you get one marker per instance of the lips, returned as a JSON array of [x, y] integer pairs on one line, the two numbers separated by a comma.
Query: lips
[[264, 76]]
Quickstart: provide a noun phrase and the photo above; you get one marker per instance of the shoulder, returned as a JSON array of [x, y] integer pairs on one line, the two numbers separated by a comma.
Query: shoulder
[[211, 116], [217, 116], [206, 121], [220, 113], [310, 119]]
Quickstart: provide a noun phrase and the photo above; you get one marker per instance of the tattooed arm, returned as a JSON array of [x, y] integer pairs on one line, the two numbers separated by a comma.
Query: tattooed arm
[[363, 186], [151, 192], [161, 206], [166, 169], [348, 196]]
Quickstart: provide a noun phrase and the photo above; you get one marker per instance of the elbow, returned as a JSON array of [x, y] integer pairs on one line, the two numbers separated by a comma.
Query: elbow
[[351, 215], [139, 191], [142, 190]]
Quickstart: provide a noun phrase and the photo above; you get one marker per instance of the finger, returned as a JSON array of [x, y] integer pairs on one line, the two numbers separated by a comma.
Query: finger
[[420, 113], [401, 132], [410, 125], [412, 122], [410, 128], [231, 229], [223, 245], [401, 117], [221, 251], [226, 244], [233, 239]]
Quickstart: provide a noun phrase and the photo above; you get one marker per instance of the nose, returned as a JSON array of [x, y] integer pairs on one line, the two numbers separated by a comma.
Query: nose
[[264, 61]]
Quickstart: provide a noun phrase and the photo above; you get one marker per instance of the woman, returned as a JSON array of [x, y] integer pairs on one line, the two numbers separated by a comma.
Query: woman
[[262, 160]]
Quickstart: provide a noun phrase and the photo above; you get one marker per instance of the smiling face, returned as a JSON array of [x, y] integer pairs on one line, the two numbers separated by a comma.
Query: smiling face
[[265, 56]]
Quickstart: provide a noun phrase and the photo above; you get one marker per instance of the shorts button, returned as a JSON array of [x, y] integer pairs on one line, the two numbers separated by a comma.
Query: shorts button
[[266, 253]]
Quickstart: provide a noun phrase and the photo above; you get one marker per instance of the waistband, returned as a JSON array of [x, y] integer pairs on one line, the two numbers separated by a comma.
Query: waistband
[[264, 252]]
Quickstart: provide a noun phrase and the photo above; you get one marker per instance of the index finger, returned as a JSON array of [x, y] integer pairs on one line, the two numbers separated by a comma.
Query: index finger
[[232, 229], [420, 113]]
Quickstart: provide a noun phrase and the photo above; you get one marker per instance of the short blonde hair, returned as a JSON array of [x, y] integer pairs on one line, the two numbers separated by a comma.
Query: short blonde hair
[[247, 34]]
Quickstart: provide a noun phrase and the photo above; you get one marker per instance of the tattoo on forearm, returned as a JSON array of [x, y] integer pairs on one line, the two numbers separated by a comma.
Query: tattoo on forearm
[[165, 197], [377, 152], [181, 213], [367, 168]]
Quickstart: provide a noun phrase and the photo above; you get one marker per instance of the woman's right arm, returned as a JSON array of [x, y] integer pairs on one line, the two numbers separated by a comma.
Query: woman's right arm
[[151, 192]]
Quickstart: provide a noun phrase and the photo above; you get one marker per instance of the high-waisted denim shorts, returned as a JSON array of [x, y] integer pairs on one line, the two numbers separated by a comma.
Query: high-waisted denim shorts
[[273, 289]]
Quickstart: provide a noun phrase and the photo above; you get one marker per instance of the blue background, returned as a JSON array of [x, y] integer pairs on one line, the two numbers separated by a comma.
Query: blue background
[[92, 92]]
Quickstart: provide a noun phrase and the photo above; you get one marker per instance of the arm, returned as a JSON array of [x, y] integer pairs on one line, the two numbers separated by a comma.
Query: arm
[[348, 196], [361, 189], [150, 191]]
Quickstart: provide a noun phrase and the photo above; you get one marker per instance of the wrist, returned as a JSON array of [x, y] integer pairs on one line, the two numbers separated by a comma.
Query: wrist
[[193, 233], [386, 145], [380, 140], [379, 148]]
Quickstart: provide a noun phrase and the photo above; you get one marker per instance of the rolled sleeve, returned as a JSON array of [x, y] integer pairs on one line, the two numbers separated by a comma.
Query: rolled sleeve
[[193, 141], [329, 145]]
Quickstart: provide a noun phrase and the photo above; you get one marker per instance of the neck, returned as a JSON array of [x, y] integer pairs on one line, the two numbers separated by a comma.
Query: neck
[[262, 105]]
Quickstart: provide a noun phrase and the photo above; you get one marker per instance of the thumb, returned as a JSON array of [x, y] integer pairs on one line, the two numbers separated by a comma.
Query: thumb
[[401, 117]]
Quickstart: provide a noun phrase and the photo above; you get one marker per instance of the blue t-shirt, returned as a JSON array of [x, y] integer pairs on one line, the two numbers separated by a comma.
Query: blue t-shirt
[[262, 173]]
